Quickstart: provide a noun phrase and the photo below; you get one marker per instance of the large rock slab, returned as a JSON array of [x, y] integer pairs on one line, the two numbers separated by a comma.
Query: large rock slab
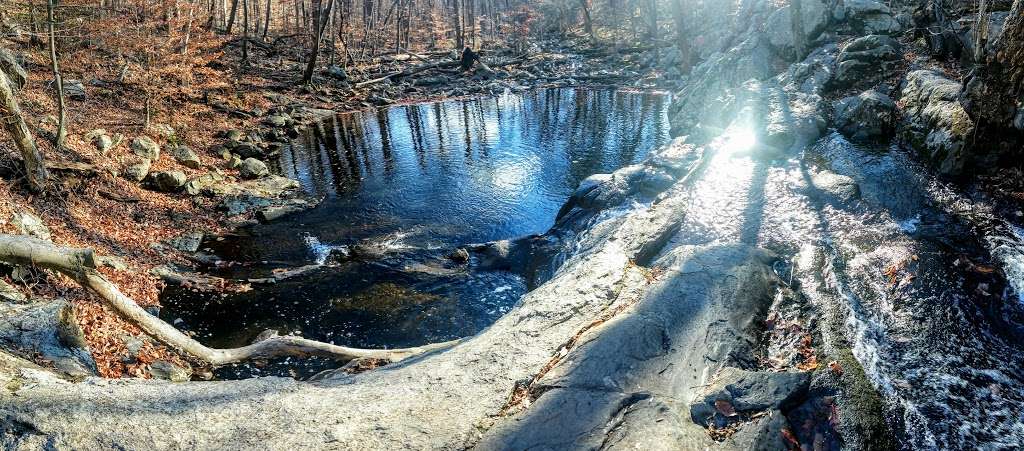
[[866, 60], [635, 370]]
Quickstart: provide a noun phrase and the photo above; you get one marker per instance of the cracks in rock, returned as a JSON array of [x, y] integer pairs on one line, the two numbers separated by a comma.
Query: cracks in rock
[[526, 391]]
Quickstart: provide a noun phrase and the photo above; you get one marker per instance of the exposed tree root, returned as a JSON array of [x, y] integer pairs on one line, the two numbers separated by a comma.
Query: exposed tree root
[[80, 265]]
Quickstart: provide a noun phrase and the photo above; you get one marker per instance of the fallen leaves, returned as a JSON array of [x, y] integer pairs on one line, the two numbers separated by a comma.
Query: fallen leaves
[[725, 408], [806, 350], [835, 367]]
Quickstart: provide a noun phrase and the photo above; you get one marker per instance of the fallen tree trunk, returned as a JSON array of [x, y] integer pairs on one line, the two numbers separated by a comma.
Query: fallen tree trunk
[[80, 265]]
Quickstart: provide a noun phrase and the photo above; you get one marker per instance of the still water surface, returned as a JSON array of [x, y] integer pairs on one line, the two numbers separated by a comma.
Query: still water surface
[[402, 187]]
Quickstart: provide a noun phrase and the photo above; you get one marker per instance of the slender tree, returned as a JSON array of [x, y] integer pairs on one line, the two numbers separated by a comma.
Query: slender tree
[[320, 24], [58, 81]]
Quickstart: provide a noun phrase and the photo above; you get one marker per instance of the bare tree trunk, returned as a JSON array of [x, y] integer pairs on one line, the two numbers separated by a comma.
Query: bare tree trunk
[[231, 18], [245, 33], [980, 31], [80, 265], [188, 29], [319, 17], [588, 25], [58, 81], [10, 115], [266, 22]]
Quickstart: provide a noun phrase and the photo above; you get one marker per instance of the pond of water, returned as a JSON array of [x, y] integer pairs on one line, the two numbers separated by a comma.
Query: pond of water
[[402, 187]]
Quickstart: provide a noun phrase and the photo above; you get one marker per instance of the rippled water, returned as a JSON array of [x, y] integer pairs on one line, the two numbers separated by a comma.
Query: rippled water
[[943, 338], [403, 186]]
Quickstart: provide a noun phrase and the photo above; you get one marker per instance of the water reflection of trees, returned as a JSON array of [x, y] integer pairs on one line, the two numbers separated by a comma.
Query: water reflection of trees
[[579, 131]]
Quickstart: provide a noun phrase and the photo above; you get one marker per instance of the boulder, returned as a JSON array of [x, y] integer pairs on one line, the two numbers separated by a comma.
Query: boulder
[[278, 120], [168, 181], [832, 187], [871, 17], [247, 150], [779, 31], [186, 157], [253, 169], [29, 224], [866, 60], [146, 148], [137, 170], [734, 391], [234, 135], [75, 90], [869, 116], [196, 185], [337, 73], [934, 122]]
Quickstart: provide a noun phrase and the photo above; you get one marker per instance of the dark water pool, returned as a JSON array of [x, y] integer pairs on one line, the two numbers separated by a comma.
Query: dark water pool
[[402, 187]]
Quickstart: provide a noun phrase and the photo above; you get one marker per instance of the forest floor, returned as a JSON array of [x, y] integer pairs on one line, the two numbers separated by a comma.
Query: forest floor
[[198, 100]]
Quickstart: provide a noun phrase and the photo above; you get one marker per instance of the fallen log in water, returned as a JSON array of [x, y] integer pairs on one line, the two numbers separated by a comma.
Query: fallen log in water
[[80, 265]]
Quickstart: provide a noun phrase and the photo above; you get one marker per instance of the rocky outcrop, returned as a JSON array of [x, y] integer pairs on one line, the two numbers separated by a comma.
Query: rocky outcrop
[[46, 329], [815, 15], [934, 121], [865, 61], [637, 370], [870, 116], [707, 104], [870, 17]]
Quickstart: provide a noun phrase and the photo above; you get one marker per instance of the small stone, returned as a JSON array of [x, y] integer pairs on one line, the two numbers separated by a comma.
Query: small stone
[[100, 139], [253, 169], [162, 369], [186, 157], [29, 224], [111, 261], [234, 135], [459, 255], [11, 293], [145, 147], [235, 162], [74, 90], [188, 242]]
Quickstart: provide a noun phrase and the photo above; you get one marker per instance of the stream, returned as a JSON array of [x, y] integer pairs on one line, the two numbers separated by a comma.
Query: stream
[[402, 187], [918, 280]]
